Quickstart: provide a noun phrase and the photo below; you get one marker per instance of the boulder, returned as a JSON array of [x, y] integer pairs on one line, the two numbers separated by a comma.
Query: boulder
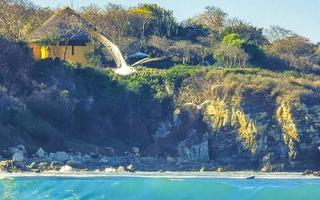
[[110, 170], [40, 153], [194, 150], [307, 172], [317, 174], [8, 166], [33, 165], [121, 169], [220, 169], [66, 168], [60, 156], [130, 168], [76, 164], [18, 157], [265, 168]]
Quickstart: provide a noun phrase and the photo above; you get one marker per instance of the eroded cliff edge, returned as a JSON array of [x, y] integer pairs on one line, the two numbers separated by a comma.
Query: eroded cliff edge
[[233, 118]]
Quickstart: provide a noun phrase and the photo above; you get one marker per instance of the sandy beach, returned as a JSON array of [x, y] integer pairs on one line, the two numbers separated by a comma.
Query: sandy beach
[[182, 175]]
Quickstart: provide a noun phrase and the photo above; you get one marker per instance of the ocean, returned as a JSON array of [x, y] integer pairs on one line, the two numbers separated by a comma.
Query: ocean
[[161, 188]]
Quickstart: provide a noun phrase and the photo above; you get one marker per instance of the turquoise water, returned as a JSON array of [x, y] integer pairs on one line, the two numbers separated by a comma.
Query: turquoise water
[[158, 189]]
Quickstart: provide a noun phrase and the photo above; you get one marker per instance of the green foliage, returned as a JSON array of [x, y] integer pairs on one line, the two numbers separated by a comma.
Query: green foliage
[[246, 31], [162, 23], [93, 55], [233, 39], [157, 83]]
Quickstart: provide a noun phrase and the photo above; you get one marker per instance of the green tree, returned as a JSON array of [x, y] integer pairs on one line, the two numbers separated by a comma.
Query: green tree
[[233, 39], [296, 50], [140, 19], [228, 55], [249, 33], [162, 22]]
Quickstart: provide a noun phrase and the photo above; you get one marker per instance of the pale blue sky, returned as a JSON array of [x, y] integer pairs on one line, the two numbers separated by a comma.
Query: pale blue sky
[[301, 16]]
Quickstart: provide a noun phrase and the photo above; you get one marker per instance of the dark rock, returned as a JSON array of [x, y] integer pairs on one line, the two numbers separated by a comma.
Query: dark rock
[[317, 174], [130, 168], [307, 172], [76, 165], [60, 156], [33, 165], [8, 166], [194, 149]]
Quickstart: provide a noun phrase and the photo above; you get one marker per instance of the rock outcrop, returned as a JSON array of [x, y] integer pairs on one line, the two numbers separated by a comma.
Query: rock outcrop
[[60, 156]]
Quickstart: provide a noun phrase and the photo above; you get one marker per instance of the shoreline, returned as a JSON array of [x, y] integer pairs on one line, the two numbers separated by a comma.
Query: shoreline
[[178, 175]]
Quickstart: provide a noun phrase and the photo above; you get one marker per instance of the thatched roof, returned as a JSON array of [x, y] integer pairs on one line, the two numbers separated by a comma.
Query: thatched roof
[[65, 25]]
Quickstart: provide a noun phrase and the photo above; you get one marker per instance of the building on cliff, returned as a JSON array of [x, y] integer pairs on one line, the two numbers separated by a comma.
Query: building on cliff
[[64, 35]]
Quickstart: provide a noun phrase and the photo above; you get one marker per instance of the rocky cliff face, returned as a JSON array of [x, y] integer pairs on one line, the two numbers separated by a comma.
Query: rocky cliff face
[[254, 121], [234, 118]]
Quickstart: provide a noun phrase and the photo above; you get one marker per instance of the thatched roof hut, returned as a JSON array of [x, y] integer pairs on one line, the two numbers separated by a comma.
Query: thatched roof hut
[[65, 25]]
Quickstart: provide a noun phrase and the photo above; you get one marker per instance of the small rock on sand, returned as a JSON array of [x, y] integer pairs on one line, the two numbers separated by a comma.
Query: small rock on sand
[[110, 170], [121, 169], [130, 168], [66, 168]]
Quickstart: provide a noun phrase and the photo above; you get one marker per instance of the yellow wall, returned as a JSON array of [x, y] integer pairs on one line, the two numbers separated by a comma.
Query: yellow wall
[[44, 52], [58, 52]]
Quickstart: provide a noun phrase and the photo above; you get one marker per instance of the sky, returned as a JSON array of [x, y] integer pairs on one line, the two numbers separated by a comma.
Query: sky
[[300, 16]]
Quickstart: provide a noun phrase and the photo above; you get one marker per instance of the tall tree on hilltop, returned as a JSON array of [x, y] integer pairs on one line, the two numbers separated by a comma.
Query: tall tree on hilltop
[[213, 18], [275, 33], [141, 17], [19, 17], [162, 22]]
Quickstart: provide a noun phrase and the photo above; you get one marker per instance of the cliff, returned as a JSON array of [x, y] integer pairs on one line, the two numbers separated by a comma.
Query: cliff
[[232, 118]]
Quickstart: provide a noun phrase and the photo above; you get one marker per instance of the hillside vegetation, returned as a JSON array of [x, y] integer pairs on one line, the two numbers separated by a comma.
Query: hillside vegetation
[[251, 118]]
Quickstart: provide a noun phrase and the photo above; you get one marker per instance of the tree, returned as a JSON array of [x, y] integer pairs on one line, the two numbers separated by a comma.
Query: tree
[[192, 31], [296, 50], [20, 17], [213, 18], [162, 22], [114, 22], [275, 33], [230, 55], [318, 54], [234, 40], [185, 52], [249, 33], [15, 65], [141, 17], [249, 38]]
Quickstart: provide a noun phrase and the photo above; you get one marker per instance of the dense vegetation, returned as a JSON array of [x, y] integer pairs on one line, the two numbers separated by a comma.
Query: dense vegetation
[[211, 38]]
